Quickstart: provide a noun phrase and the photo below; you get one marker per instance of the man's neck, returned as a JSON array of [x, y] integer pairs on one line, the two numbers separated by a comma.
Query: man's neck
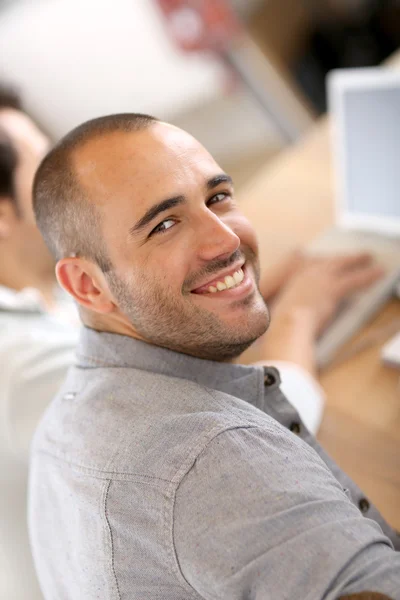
[[114, 322]]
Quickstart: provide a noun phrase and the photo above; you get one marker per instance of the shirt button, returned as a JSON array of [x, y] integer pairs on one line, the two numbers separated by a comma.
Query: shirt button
[[269, 379], [364, 505], [295, 428]]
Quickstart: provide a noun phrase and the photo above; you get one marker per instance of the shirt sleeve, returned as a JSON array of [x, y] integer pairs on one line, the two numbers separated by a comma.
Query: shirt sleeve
[[302, 391], [259, 516]]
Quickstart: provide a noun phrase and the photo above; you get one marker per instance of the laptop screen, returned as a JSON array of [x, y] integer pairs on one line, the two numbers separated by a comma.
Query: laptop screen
[[371, 137]]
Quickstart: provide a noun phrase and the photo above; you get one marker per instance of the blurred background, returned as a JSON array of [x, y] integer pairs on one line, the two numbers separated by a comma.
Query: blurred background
[[245, 95]]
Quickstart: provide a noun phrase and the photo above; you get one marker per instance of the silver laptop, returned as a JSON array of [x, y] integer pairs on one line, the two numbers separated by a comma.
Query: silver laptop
[[365, 109]]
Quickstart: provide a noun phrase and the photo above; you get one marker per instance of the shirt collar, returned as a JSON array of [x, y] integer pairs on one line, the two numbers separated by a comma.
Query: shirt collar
[[28, 300], [100, 349]]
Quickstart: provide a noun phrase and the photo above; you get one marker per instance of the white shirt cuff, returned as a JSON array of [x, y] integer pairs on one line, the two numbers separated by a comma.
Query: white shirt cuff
[[303, 392]]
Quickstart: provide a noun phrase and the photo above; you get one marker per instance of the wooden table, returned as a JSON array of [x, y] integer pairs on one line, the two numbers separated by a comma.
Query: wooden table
[[290, 201]]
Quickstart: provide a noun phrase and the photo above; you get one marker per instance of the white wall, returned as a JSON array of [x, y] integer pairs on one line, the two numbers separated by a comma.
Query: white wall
[[77, 59], [83, 58]]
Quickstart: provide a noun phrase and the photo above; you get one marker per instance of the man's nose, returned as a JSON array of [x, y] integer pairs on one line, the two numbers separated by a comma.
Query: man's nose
[[215, 238]]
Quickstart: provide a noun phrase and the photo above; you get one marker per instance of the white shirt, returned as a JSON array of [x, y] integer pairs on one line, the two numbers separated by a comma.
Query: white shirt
[[36, 350]]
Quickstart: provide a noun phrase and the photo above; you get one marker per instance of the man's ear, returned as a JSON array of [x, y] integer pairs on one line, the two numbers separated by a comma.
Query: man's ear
[[85, 282], [8, 217]]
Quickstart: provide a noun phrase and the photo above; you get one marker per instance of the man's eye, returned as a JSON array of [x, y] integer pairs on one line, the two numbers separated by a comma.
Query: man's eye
[[218, 198], [163, 226]]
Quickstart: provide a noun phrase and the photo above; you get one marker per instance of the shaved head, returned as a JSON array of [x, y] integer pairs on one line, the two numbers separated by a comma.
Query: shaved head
[[68, 220]]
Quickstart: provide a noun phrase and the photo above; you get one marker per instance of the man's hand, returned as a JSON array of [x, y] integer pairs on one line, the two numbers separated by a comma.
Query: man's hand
[[308, 301], [277, 275], [317, 288]]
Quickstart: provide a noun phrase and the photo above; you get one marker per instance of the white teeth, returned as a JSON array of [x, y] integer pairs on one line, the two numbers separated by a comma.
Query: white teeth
[[238, 276], [229, 282]]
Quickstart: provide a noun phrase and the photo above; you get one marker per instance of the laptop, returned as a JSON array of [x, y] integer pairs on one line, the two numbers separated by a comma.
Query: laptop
[[365, 109]]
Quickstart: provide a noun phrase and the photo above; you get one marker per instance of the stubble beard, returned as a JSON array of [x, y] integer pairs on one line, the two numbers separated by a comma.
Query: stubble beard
[[182, 326]]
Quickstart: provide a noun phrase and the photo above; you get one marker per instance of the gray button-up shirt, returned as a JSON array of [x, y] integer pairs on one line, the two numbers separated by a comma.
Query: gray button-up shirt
[[159, 476]]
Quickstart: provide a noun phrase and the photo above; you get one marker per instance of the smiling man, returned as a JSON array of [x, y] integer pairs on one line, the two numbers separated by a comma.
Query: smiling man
[[171, 290], [162, 470]]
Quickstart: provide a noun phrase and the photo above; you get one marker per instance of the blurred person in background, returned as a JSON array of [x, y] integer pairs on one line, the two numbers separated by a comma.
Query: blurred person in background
[[36, 345], [162, 469]]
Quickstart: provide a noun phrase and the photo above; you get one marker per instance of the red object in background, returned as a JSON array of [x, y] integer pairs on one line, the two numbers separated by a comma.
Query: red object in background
[[200, 24]]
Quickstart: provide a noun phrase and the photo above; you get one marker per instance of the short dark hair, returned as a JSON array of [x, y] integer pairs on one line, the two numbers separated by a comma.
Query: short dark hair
[[8, 164], [9, 98], [67, 220]]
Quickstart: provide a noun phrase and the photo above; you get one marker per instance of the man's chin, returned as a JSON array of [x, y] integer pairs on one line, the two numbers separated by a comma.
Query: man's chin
[[230, 346], [253, 321]]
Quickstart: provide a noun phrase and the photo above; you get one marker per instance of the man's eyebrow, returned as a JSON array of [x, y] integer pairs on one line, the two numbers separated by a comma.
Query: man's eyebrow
[[160, 207], [155, 210], [218, 179]]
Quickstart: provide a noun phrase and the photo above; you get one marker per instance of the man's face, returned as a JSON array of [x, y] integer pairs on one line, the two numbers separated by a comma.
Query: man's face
[[185, 260]]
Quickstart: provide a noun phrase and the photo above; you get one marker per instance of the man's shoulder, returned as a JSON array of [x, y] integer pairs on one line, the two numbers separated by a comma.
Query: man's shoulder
[[136, 422], [33, 346], [35, 327]]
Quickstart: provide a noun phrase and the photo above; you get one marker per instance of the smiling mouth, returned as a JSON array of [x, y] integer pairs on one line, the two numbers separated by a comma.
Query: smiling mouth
[[225, 283]]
